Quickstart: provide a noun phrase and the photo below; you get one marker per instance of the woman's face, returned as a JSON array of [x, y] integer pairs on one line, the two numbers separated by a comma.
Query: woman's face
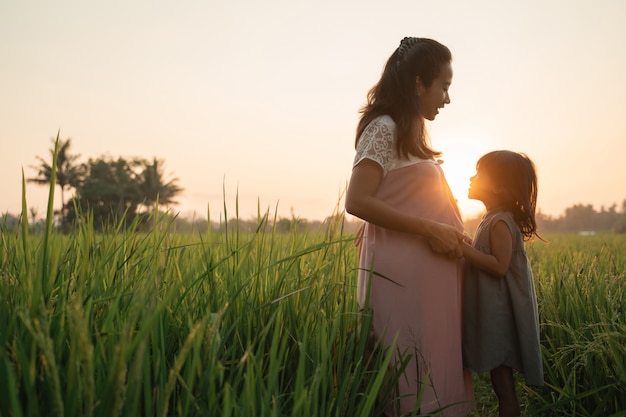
[[435, 96]]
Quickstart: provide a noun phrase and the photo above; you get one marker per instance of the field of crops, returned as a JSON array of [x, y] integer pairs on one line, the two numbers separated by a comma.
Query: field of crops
[[127, 323]]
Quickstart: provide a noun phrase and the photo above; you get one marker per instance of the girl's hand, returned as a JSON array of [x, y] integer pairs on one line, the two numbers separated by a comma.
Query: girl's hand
[[467, 239], [446, 240]]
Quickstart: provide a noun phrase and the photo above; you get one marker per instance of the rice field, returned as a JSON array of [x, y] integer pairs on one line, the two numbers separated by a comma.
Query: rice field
[[127, 323]]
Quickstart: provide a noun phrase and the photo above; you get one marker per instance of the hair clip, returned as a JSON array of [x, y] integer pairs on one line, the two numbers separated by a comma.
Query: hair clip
[[405, 45]]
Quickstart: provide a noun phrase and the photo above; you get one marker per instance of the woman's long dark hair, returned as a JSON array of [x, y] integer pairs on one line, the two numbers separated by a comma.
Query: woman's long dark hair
[[517, 176], [395, 94]]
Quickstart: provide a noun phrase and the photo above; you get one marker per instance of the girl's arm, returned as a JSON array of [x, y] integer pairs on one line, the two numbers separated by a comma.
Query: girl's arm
[[361, 202], [501, 251]]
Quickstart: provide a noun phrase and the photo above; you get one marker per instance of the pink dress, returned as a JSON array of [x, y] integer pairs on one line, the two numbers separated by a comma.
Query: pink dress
[[419, 298]]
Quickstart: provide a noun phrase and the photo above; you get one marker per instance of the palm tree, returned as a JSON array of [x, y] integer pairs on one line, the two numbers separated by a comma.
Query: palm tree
[[154, 186], [68, 175], [110, 190]]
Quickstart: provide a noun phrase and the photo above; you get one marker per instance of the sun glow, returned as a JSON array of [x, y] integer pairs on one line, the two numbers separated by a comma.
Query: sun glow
[[459, 164]]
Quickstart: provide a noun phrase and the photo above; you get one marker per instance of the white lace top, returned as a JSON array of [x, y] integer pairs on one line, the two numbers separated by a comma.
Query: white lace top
[[378, 143]]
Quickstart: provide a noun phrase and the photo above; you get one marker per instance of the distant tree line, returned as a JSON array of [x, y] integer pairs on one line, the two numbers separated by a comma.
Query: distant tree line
[[584, 218], [578, 218]]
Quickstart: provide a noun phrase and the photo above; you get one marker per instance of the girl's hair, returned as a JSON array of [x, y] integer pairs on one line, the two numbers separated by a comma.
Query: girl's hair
[[517, 176], [395, 94]]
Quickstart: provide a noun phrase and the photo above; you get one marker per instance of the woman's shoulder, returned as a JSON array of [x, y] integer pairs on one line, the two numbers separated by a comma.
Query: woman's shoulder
[[384, 120], [381, 126], [377, 142]]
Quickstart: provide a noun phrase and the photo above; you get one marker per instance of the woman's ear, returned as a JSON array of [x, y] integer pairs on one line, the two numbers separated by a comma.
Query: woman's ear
[[419, 86]]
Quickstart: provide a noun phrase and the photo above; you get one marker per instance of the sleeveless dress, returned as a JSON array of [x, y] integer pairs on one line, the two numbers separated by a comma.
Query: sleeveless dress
[[414, 293], [501, 321]]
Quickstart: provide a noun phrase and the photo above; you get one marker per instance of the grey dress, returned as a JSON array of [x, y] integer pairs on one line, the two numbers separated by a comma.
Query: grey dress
[[501, 322]]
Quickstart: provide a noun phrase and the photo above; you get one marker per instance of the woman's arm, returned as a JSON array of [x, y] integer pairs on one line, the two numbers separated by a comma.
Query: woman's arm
[[361, 202], [501, 251]]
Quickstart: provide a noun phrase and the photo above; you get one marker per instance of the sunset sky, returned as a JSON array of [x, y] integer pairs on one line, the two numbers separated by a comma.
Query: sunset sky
[[260, 99]]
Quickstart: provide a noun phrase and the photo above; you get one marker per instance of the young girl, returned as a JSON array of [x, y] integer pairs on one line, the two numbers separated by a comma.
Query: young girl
[[501, 325]]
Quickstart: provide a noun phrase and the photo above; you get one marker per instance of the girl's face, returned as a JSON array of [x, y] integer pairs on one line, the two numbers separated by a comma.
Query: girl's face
[[483, 188], [435, 96]]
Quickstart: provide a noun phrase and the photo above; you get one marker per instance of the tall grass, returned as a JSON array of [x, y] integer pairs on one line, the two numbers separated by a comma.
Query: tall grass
[[580, 285], [161, 324]]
